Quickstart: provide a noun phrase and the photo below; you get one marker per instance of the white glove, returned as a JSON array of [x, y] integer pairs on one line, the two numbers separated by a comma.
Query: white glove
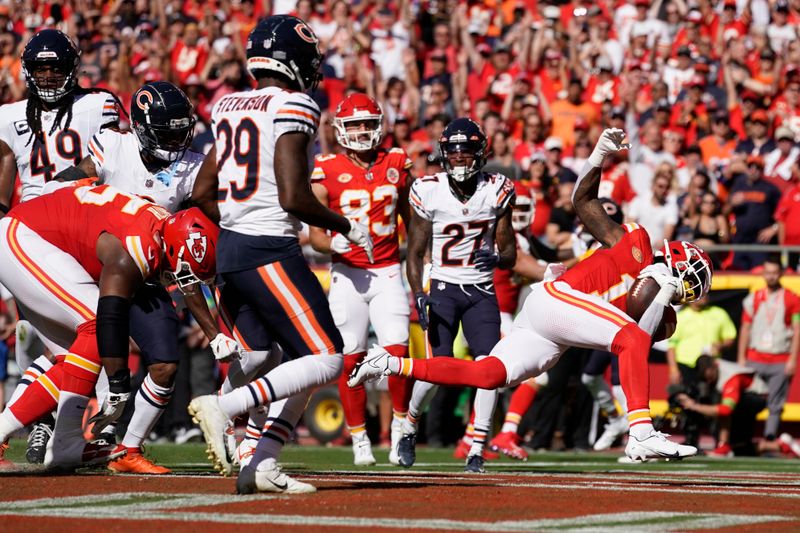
[[610, 141], [671, 287], [110, 411], [553, 271], [224, 348], [359, 235], [340, 244]]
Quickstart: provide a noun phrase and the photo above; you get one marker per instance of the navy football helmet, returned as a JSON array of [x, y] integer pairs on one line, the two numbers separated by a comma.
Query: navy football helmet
[[463, 136], [53, 49], [286, 45], [162, 117]]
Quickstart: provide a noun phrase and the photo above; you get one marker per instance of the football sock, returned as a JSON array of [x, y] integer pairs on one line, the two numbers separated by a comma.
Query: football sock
[[478, 440], [281, 421], [255, 424], [601, 392], [354, 400], [521, 401], [39, 398], [420, 398], [38, 367], [8, 425], [641, 425], [243, 370], [151, 400], [488, 373], [400, 388], [632, 346], [287, 379]]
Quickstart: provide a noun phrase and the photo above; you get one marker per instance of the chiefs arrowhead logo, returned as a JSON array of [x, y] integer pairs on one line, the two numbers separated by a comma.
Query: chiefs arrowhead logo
[[197, 244]]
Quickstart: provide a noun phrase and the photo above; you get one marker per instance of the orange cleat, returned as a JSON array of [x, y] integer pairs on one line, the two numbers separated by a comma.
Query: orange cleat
[[508, 444], [136, 463], [462, 451], [4, 463]]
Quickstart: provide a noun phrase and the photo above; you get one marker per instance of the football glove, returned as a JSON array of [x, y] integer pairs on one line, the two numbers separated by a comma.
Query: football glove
[[486, 260], [359, 235], [610, 141], [224, 348], [340, 244], [119, 391], [421, 303]]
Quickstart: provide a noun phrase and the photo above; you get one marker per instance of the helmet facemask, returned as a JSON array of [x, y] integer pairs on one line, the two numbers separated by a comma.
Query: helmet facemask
[[462, 173], [692, 268], [57, 91], [522, 213], [359, 140], [166, 142]]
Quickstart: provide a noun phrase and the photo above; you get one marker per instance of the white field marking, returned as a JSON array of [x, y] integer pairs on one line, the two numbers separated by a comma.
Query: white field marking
[[75, 507], [558, 485]]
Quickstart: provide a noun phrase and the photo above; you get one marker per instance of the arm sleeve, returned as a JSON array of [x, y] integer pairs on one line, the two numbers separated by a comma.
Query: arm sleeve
[[110, 113], [732, 392], [505, 193], [97, 150]]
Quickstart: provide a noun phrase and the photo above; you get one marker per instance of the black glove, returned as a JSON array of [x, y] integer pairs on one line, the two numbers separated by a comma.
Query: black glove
[[486, 260], [421, 303]]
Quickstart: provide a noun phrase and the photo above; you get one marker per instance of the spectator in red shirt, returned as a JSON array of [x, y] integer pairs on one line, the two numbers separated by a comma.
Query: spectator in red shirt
[[189, 54], [533, 135], [787, 216]]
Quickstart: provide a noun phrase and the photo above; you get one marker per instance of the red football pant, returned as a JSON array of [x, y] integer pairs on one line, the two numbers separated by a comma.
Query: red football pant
[[488, 373]]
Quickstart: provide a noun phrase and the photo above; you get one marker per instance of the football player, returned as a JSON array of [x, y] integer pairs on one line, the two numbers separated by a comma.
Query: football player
[[585, 307], [256, 182], [368, 184], [50, 131], [154, 162], [43, 135], [464, 215], [73, 259]]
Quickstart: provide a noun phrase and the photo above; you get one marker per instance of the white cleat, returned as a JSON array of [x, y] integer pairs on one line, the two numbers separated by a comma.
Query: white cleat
[[244, 453], [656, 446], [230, 443], [268, 477], [396, 435], [206, 413], [374, 366], [362, 451], [615, 428]]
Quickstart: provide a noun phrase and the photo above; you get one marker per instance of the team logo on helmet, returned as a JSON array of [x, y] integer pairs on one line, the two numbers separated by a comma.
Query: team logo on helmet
[[392, 175], [197, 244], [143, 100], [305, 33]]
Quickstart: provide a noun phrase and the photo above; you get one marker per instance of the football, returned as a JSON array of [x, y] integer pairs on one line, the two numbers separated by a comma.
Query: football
[[640, 295]]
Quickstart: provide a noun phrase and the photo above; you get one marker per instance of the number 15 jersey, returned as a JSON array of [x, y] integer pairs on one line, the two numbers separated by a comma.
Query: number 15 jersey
[[461, 228], [246, 127]]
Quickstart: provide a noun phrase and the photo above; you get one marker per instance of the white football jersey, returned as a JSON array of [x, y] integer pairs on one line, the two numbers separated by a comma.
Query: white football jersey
[[246, 126], [461, 228], [37, 162], [116, 157]]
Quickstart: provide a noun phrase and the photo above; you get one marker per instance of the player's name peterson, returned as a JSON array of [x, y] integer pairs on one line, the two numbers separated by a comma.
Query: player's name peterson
[[243, 103]]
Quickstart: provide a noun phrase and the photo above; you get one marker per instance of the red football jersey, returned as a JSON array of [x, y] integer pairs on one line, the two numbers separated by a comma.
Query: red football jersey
[[610, 272], [368, 196], [73, 218]]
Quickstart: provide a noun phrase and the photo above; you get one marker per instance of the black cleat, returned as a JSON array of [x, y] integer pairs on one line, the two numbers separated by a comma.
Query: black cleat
[[474, 464], [37, 441], [407, 450]]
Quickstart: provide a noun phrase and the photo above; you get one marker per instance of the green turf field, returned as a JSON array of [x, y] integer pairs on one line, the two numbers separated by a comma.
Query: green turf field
[[191, 458]]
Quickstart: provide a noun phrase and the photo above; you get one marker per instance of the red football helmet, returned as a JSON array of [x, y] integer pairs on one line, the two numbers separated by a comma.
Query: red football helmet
[[358, 107], [692, 266], [524, 207], [190, 247]]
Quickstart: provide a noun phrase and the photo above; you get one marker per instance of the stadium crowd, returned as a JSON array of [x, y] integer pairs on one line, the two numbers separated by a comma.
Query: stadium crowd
[[707, 92]]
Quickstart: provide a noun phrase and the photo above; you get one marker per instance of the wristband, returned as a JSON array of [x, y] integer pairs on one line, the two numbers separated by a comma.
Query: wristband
[[120, 382]]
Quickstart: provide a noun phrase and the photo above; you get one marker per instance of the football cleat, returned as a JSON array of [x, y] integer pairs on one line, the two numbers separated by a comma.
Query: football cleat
[[206, 413], [789, 445], [4, 463], [407, 450], [474, 464], [134, 462], [230, 442], [656, 446], [37, 441], [268, 477], [396, 435], [362, 451], [462, 451], [507, 443], [615, 428], [723, 450], [374, 366]]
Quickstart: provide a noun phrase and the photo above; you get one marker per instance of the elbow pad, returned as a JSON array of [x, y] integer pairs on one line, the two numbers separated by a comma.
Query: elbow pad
[[113, 326]]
